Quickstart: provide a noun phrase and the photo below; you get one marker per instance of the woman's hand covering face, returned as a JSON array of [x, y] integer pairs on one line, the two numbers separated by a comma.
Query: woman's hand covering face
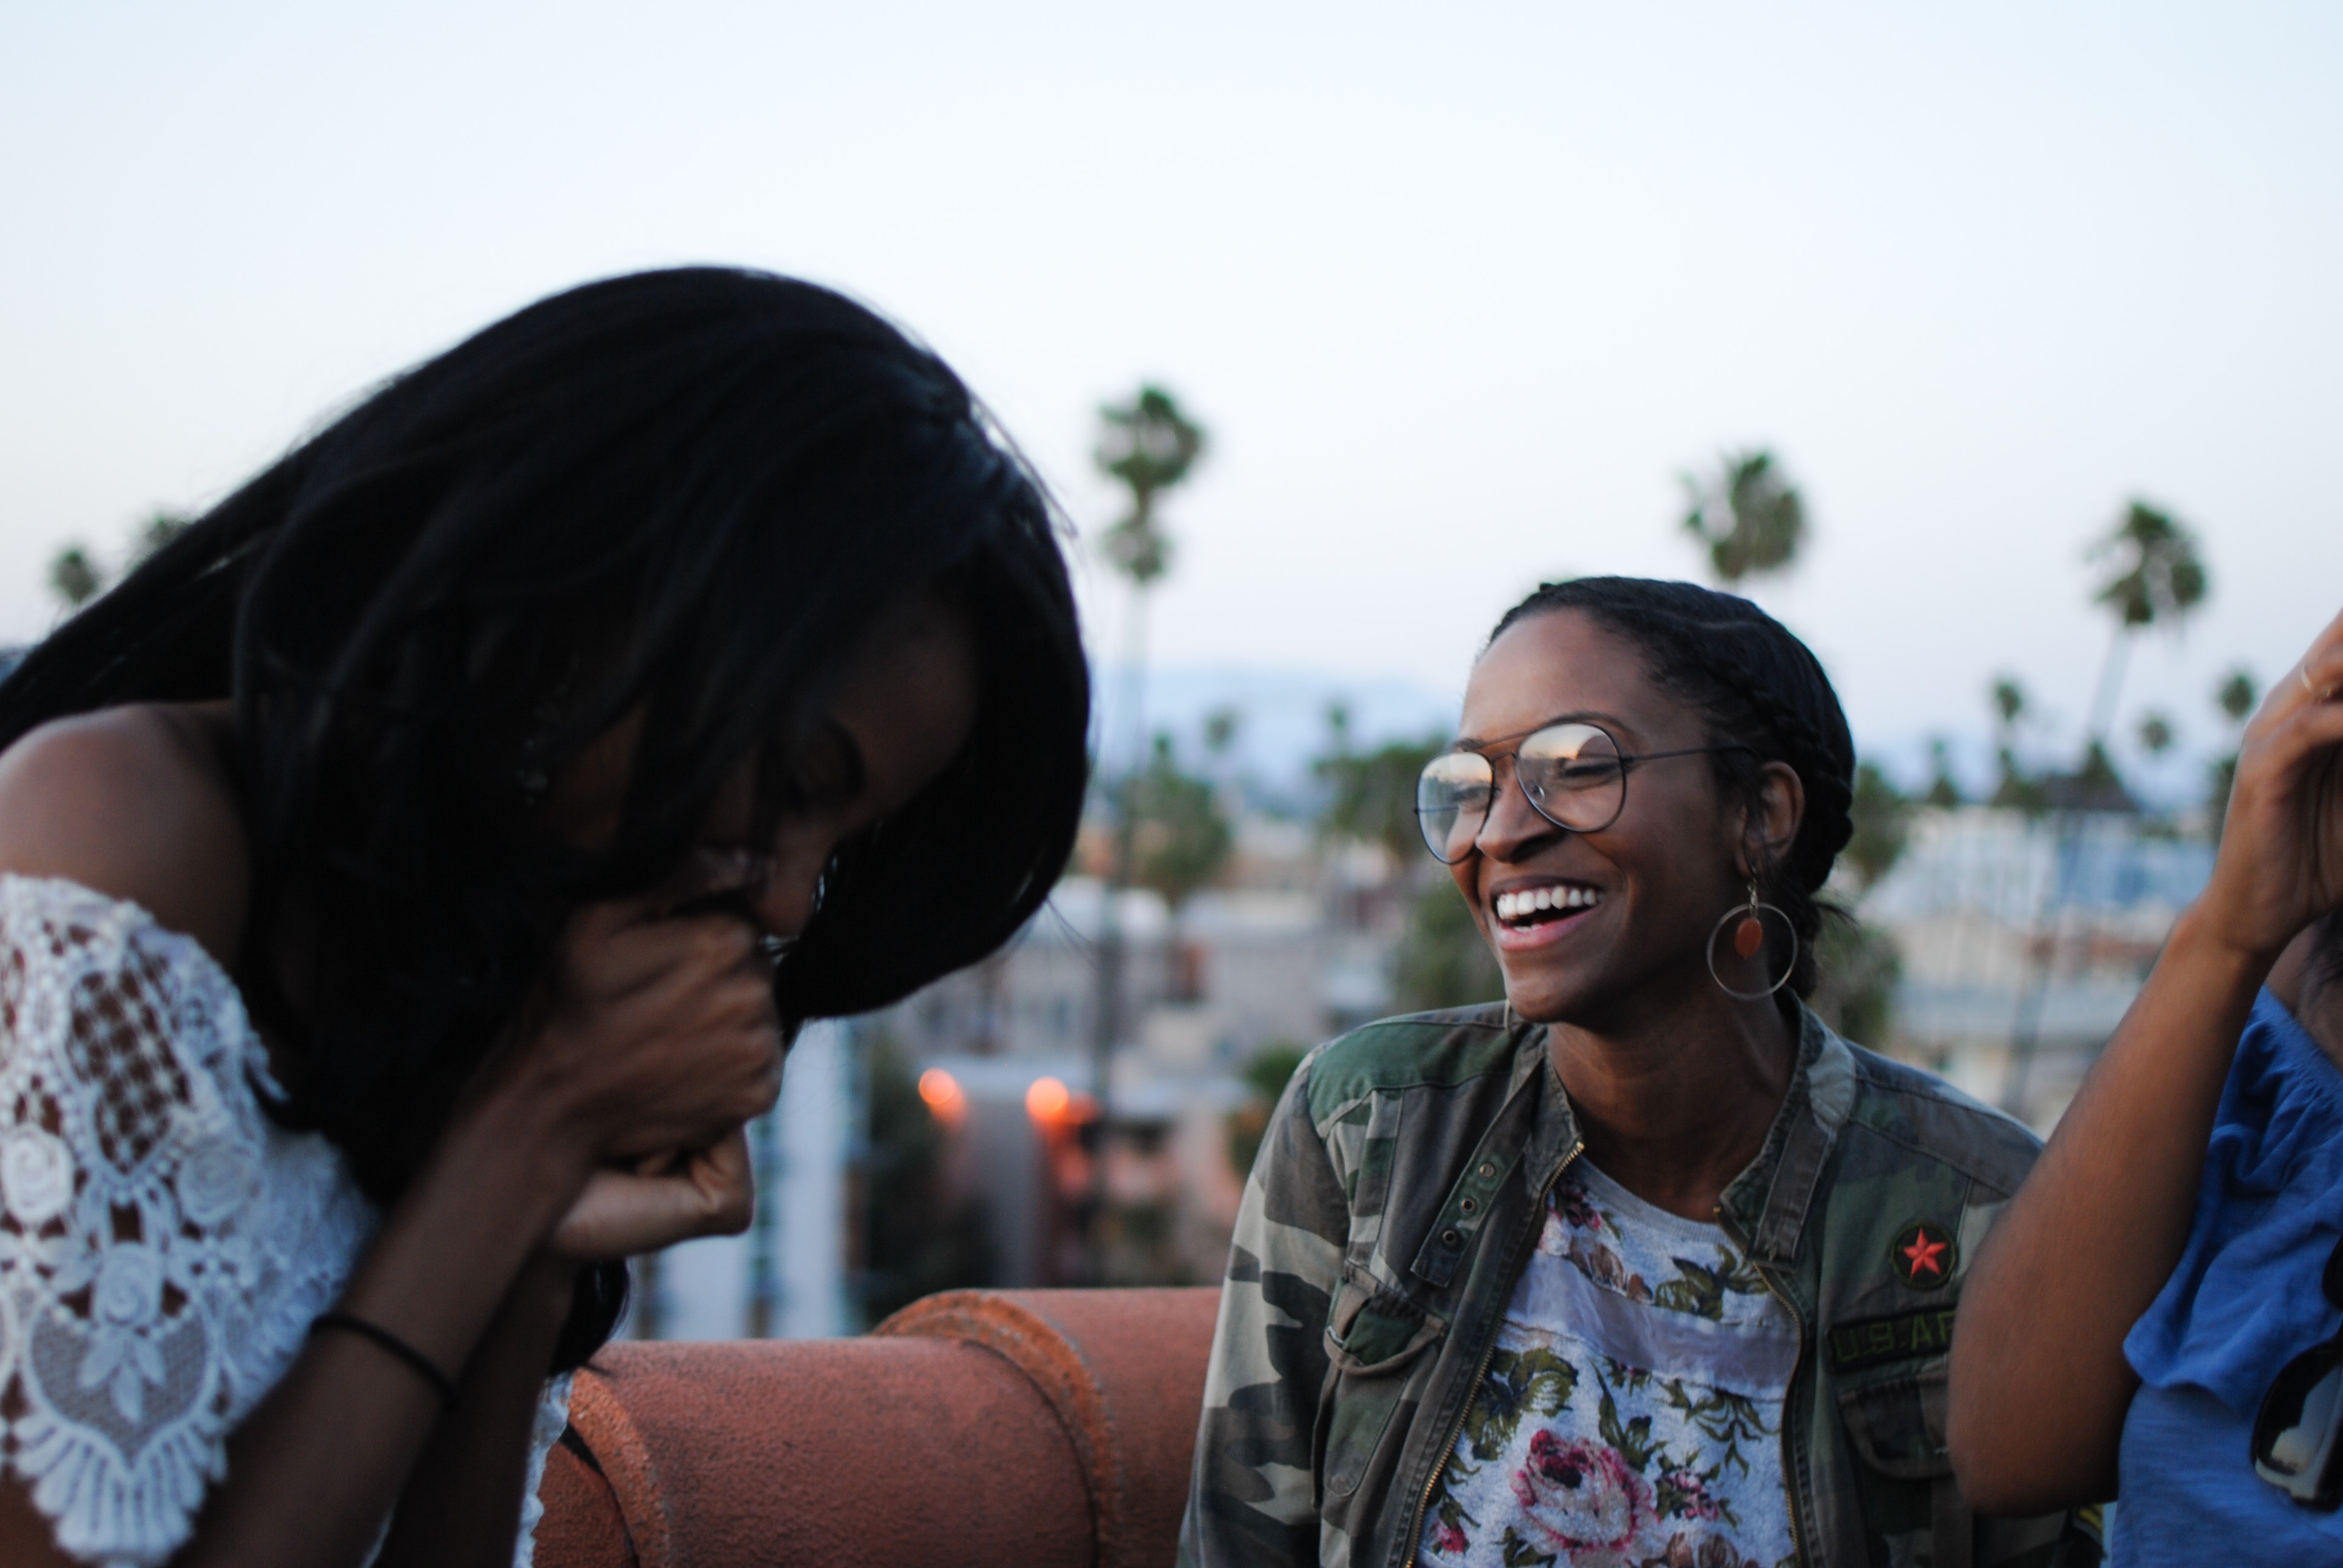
[[662, 1026], [659, 1032]]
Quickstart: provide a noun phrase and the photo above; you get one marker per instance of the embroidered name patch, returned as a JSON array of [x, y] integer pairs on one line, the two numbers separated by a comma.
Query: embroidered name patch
[[1873, 1340]]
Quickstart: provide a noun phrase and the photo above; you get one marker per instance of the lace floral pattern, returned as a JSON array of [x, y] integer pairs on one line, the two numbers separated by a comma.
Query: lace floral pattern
[[164, 1245], [552, 1415]]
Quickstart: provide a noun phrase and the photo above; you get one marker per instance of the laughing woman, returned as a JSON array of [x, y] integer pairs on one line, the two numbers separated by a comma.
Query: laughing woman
[[1644, 1266], [411, 878]]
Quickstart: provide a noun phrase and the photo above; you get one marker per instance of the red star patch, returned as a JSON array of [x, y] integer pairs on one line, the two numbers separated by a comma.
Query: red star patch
[[1924, 1255]]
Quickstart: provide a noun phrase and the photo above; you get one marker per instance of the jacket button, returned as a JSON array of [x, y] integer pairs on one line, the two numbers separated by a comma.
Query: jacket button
[[1451, 1239]]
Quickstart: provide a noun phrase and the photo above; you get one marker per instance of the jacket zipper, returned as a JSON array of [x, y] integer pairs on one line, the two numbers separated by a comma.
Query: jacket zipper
[[1789, 1454], [1488, 1353]]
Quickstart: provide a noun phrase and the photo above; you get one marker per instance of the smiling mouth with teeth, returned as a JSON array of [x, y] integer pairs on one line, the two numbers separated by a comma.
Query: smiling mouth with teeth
[[1534, 906]]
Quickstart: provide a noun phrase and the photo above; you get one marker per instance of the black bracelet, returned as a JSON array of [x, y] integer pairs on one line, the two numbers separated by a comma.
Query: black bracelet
[[423, 1366]]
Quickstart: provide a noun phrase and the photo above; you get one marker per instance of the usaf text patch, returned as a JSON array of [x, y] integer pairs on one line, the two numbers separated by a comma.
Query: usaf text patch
[[1873, 1340]]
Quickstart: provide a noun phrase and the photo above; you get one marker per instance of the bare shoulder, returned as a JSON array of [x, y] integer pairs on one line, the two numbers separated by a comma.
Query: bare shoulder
[[134, 802]]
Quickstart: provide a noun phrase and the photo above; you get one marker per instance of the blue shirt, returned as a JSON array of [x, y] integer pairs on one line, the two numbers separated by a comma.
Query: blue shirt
[[2242, 1303]]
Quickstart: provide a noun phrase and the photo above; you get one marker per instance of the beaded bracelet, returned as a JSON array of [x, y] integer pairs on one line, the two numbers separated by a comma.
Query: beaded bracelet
[[422, 1366]]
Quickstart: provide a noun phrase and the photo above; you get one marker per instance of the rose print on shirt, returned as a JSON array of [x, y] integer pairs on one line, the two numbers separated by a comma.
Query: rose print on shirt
[[1447, 1529], [1578, 1493], [1577, 1210], [1569, 1456]]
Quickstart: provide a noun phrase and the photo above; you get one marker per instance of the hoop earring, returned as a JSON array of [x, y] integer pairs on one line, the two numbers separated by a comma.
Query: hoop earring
[[1749, 941]]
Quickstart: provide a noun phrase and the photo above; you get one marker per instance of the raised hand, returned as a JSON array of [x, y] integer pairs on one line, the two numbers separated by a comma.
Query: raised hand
[[2040, 1383], [2281, 860]]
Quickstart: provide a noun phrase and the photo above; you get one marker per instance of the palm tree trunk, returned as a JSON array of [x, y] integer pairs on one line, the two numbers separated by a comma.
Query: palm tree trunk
[[1108, 1016], [2110, 687], [2047, 941]]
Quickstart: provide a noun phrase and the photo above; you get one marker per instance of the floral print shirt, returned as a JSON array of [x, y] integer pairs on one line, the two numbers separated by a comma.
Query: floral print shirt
[[1631, 1414]]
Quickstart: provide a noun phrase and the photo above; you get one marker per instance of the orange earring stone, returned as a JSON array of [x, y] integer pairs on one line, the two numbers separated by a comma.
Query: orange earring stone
[[1748, 937]]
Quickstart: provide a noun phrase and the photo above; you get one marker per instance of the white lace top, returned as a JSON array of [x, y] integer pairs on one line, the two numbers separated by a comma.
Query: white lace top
[[164, 1245]]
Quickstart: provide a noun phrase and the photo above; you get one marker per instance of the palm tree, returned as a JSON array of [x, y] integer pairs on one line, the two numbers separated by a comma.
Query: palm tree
[[2234, 697], [2157, 580], [1148, 446], [1748, 515], [1882, 816], [1221, 728], [1184, 837], [75, 578], [2014, 790], [156, 532], [1944, 790]]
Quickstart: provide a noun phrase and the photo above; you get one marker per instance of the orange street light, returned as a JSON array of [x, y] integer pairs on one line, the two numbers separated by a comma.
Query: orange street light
[[1047, 1100], [945, 1100]]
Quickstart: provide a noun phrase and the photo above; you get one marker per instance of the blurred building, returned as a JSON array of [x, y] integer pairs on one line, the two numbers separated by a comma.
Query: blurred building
[[1293, 945], [789, 1276], [2023, 940]]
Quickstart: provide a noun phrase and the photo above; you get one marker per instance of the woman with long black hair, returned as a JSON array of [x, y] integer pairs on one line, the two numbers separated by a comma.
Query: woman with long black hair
[[411, 878]]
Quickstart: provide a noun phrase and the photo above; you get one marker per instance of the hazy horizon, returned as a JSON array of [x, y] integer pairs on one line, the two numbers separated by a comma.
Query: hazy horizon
[[1458, 296]]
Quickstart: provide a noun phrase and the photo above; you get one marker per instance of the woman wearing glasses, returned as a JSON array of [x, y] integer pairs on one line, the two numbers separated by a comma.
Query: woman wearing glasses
[[411, 878], [1643, 1265], [2159, 1307]]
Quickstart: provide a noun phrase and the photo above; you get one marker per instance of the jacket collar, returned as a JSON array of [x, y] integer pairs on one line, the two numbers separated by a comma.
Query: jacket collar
[[1554, 1133], [1766, 1204]]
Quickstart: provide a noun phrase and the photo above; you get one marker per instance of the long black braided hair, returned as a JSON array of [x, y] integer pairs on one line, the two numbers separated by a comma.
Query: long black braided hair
[[1756, 686]]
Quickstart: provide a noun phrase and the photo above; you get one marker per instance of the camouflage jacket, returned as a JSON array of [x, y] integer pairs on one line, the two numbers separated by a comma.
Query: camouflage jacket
[[1397, 1194]]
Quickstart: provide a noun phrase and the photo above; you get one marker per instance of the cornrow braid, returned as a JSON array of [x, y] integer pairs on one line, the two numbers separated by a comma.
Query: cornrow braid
[[1756, 685]]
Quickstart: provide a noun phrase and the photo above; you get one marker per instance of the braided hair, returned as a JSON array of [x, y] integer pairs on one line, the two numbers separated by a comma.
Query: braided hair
[[1756, 685]]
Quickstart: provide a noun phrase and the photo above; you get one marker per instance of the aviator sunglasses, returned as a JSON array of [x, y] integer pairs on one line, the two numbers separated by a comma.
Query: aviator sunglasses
[[1573, 775], [2301, 1417]]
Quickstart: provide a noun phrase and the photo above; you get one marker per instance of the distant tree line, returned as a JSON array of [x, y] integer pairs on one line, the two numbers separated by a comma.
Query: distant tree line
[[77, 576]]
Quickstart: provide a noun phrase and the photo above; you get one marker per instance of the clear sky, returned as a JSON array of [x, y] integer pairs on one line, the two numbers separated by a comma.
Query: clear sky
[[1458, 290]]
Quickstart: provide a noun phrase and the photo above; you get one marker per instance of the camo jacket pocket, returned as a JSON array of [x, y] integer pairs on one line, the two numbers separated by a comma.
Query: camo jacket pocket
[[1375, 1338], [1376, 1331], [1897, 1425]]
